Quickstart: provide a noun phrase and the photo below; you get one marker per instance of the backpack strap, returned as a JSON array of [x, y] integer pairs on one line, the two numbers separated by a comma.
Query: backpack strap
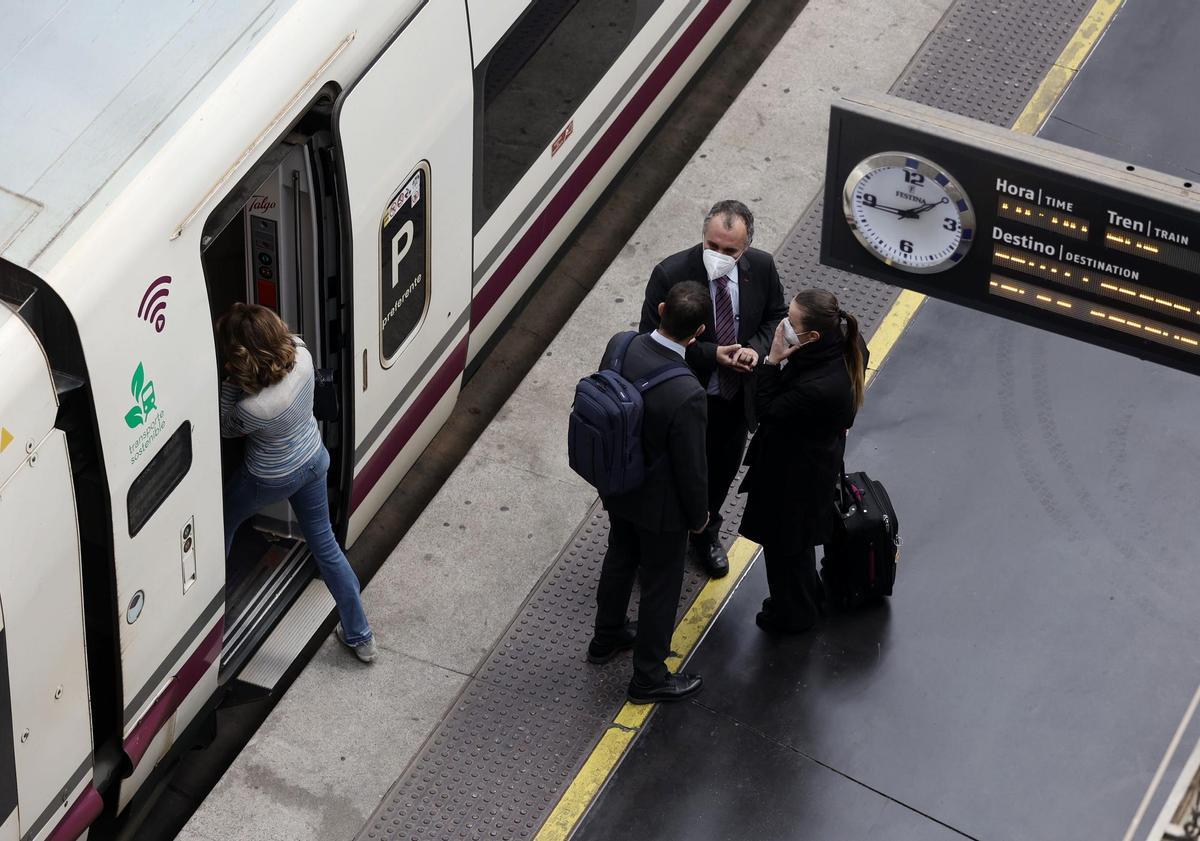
[[617, 361], [660, 375]]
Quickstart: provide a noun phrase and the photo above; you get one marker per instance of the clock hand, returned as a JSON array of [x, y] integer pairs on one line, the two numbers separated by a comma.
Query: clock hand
[[919, 210], [899, 211]]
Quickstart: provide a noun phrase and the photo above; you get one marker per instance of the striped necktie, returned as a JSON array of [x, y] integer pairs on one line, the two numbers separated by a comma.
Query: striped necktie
[[727, 378]]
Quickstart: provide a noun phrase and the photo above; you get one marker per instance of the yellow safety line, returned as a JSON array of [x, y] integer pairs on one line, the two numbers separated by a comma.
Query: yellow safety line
[[889, 330], [1067, 65], [587, 783], [628, 722]]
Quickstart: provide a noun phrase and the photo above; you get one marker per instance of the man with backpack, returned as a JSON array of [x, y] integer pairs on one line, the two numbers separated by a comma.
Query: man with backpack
[[649, 523]]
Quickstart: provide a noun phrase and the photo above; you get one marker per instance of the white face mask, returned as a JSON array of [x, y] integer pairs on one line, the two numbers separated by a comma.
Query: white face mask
[[717, 264], [789, 333]]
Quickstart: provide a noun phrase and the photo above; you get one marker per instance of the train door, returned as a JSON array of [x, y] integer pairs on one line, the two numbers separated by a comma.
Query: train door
[[273, 242], [404, 137], [46, 750]]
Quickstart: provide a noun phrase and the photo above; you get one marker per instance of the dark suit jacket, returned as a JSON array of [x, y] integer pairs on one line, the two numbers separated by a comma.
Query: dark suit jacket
[[674, 496], [760, 307], [804, 410]]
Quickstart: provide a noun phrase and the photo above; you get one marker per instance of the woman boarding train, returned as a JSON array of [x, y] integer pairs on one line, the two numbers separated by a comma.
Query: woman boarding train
[[267, 397]]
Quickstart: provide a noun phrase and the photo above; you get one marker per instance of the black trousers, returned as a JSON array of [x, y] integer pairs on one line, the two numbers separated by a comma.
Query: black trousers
[[725, 443], [657, 560], [795, 588]]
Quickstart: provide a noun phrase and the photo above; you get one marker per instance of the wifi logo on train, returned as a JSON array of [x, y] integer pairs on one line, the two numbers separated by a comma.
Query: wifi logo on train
[[153, 308]]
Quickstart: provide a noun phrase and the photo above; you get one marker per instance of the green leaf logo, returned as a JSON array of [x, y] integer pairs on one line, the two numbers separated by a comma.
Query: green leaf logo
[[143, 393]]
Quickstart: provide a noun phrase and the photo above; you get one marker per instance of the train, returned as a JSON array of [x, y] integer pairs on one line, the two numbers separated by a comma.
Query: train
[[391, 178]]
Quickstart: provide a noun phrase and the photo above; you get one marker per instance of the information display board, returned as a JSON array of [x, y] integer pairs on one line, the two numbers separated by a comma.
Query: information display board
[[1016, 226]]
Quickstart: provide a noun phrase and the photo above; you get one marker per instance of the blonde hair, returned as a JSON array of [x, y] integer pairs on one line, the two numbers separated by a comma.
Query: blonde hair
[[257, 347]]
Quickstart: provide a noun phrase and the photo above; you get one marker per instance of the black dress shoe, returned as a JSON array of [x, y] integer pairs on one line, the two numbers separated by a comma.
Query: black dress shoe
[[713, 556], [772, 622], [601, 652], [677, 687]]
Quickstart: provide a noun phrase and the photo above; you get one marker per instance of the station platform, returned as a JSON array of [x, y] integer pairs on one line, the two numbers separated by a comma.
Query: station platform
[[1021, 684], [1027, 675]]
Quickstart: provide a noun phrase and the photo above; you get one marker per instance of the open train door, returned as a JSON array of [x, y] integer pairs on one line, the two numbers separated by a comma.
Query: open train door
[[404, 137]]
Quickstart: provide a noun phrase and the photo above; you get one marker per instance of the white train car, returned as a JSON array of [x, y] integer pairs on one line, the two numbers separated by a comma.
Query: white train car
[[390, 176]]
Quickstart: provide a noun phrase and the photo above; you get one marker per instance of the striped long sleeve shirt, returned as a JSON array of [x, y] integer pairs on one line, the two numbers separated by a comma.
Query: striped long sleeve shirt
[[281, 432]]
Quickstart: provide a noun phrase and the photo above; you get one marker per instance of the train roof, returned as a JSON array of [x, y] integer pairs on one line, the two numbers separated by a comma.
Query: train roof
[[93, 90]]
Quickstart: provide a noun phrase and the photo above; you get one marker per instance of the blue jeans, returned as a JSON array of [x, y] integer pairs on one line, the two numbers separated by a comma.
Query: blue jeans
[[305, 489]]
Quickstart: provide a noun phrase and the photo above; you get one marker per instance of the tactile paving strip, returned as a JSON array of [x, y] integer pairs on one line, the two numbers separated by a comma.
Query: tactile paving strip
[[513, 741]]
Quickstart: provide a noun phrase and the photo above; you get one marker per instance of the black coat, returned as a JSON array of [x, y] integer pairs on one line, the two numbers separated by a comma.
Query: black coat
[[674, 496], [804, 409], [760, 307]]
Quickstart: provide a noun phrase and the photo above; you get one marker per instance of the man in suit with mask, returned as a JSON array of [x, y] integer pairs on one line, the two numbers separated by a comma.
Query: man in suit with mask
[[648, 526], [747, 304]]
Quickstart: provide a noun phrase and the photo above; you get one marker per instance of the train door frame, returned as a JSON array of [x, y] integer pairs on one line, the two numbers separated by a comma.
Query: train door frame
[[53, 323], [51, 739], [332, 297], [315, 126], [386, 156]]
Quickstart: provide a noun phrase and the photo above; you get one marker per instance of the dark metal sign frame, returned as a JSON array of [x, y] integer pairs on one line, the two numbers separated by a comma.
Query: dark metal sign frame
[[1064, 240]]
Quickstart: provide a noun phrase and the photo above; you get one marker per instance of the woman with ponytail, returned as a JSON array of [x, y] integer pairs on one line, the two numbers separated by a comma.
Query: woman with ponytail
[[807, 391]]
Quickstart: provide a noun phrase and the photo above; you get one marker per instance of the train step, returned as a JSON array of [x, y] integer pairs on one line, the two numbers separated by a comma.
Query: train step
[[294, 631], [265, 599]]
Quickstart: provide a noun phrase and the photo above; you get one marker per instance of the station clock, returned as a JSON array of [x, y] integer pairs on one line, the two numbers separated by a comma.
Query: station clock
[[908, 212], [1101, 250]]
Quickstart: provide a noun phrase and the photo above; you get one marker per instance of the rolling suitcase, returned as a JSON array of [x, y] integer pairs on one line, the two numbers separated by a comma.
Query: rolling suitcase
[[860, 560]]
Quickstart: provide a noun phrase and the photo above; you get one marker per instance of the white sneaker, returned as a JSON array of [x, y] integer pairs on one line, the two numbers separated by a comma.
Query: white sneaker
[[364, 651]]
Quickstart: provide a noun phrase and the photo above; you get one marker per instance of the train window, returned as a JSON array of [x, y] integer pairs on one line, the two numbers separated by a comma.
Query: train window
[[161, 476], [536, 77], [404, 279]]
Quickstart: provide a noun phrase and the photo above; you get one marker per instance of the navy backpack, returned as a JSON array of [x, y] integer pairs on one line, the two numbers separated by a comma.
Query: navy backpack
[[604, 439]]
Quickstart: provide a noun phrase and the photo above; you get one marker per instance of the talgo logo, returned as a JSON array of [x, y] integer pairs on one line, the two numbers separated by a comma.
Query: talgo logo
[[144, 400]]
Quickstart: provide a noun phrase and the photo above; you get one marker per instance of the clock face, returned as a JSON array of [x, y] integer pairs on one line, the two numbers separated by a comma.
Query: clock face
[[908, 212]]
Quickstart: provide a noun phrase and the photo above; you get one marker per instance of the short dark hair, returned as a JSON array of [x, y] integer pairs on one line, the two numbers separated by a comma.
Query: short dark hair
[[687, 307], [727, 209]]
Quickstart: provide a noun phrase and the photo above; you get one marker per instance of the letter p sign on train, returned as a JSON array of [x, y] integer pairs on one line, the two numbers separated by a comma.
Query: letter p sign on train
[[404, 267]]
